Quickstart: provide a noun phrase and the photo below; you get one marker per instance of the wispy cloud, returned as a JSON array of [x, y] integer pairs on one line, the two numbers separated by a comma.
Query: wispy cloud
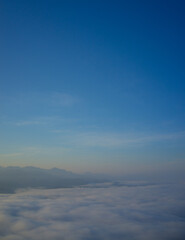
[[63, 99], [44, 120], [34, 100], [16, 154], [26, 123], [106, 139]]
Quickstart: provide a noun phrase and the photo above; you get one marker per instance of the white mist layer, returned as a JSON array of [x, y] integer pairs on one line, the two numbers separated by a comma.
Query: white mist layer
[[92, 213]]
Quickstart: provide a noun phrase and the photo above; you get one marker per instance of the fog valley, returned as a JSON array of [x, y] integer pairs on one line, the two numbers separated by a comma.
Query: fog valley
[[96, 212], [56, 204]]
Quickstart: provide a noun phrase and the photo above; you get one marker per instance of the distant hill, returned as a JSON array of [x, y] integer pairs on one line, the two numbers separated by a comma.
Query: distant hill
[[13, 178]]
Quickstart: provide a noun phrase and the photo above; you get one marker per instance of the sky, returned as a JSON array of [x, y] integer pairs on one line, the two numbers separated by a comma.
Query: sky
[[93, 85]]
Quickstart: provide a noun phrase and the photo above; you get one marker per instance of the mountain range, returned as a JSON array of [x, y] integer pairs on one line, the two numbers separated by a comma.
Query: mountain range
[[14, 178]]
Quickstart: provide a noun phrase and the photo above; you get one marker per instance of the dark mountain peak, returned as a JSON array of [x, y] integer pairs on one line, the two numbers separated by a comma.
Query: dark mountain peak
[[12, 178]]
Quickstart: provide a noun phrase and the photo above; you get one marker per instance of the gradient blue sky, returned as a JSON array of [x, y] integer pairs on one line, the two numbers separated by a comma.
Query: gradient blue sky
[[92, 85]]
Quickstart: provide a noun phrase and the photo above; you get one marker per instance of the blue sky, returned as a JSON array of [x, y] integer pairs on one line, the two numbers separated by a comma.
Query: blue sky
[[92, 85]]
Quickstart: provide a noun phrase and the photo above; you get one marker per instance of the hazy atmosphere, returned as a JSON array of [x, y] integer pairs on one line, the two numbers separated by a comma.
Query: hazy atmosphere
[[92, 120]]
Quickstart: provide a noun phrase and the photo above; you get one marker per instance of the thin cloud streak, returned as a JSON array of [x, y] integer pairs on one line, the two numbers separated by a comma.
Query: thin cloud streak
[[63, 99], [39, 99], [98, 139], [11, 154], [44, 120], [27, 123]]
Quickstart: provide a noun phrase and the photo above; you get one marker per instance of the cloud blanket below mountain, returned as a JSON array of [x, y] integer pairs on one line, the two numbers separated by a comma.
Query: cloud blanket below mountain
[[135, 212]]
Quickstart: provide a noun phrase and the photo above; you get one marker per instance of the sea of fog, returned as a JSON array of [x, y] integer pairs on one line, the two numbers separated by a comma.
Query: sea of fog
[[110, 211]]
